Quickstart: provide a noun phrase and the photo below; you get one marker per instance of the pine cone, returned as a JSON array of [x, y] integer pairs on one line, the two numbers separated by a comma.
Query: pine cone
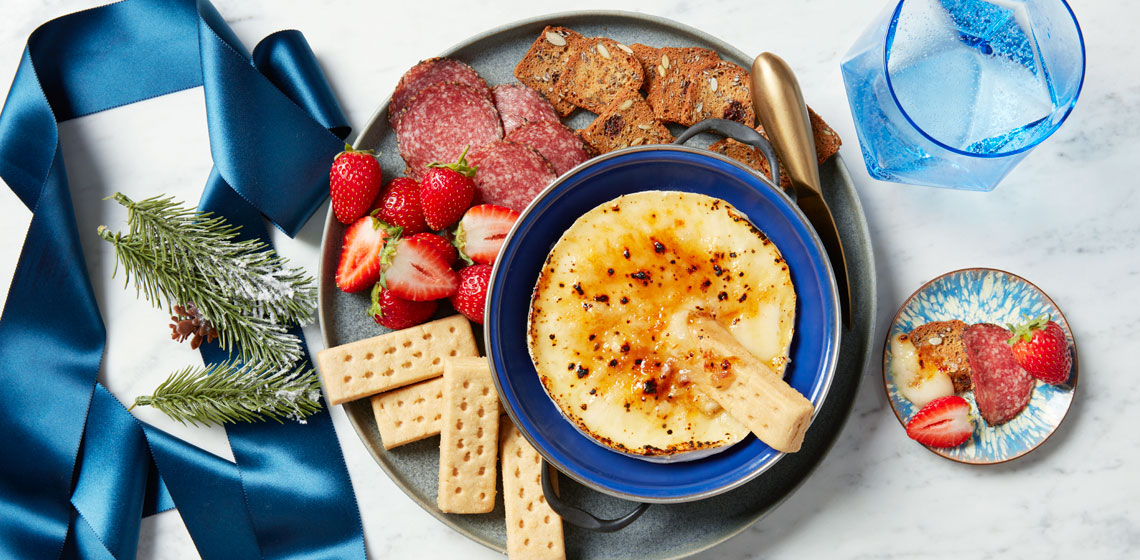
[[190, 323]]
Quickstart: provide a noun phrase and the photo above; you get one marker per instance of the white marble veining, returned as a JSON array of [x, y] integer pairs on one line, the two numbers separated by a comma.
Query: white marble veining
[[1067, 218]]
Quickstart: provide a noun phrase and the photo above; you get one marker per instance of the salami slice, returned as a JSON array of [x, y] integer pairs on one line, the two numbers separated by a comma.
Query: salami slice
[[441, 121], [518, 105], [429, 72], [509, 174], [1001, 387], [556, 143]]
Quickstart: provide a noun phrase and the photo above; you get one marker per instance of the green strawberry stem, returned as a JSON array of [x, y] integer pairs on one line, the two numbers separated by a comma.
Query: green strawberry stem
[[374, 309], [1024, 331], [459, 166], [459, 240], [348, 149]]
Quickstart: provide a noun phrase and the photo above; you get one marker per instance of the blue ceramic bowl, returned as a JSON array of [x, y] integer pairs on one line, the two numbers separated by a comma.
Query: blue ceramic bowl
[[814, 349]]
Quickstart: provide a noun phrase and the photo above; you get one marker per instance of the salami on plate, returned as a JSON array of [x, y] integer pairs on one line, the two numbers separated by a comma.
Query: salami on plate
[[518, 105], [558, 144], [429, 72], [509, 174], [1001, 387], [442, 120]]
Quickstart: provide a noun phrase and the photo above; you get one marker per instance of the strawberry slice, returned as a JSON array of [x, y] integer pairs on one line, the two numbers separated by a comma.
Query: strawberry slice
[[416, 271], [442, 245], [944, 422], [481, 232], [361, 253]]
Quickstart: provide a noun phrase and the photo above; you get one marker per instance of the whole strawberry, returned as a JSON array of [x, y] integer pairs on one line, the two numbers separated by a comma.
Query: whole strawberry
[[399, 205], [445, 248], [354, 182], [395, 312], [1041, 349], [446, 192], [472, 294]]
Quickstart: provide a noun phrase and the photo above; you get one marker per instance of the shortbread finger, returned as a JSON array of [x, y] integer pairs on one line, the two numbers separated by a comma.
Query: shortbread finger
[[409, 413], [534, 531], [373, 365], [469, 438]]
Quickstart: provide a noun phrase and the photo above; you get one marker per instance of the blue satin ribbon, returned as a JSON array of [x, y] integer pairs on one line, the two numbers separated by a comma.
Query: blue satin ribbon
[[79, 472]]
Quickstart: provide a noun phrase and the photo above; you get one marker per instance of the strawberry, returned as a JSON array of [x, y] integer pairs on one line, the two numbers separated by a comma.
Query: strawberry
[[472, 294], [395, 312], [354, 182], [943, 422], [415, 270], [399, 205], [445, 248], [361, 253], [481, 232], [1041, 349], [446, 192]]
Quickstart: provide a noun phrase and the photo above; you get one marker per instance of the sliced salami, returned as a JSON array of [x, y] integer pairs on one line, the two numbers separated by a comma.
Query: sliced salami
[[558, 144], [518, 105], [1001, 388], [442, 120], [429, 72], [509, 174]]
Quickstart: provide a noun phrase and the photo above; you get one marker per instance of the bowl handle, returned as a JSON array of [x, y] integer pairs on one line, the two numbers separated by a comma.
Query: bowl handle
[[740, 133], [579, 518]]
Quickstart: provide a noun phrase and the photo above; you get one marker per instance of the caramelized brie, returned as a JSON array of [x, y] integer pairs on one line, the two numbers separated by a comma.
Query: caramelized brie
[[601, 309]]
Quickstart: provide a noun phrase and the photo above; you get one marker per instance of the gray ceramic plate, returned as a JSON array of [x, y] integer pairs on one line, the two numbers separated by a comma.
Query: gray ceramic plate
[[665, 531]]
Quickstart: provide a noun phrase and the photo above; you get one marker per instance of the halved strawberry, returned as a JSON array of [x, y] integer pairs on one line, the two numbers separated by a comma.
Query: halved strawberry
[[481, 232], [360, 253], [415, 270], [472, 294], [395, 312], [944, 422], [444, 246]]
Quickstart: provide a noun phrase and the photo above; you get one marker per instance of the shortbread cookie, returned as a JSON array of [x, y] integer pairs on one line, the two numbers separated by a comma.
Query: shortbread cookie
[[534, 531], [543, 66], [373, 365], [409, 413], [628, 121], [468, 444]]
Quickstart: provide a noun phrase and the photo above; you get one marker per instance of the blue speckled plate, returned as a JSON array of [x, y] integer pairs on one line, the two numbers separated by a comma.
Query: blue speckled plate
[[984, 295]]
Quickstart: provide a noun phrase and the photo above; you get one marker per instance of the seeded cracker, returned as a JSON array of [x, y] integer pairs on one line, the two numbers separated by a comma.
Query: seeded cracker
[[628, 121], [601, 71], [669, 77], [534, 531], [410, 413], [366, 367], [720, 90], [468, 443], [544, 64], [940, 343], [827, 143]]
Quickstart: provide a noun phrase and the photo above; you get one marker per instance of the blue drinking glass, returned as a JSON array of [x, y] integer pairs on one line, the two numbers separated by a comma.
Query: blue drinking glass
[[954, 93]]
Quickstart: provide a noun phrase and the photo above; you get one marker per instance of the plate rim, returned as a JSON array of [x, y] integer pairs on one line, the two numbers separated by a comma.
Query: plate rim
[[864, 241], [830, 351], [1074, 376]]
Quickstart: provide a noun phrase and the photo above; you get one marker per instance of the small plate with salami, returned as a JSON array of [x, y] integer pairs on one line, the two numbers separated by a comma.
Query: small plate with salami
[[956, 336]]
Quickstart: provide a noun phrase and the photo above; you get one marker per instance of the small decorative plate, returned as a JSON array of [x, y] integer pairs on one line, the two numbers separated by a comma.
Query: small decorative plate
[[985, 295]]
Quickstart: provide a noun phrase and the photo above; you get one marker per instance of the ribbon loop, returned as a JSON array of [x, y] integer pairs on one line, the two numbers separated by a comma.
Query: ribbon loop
[[78, 477]]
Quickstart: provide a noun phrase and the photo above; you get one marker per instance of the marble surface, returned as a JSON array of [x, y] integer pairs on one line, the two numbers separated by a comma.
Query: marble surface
[[1068, 219]]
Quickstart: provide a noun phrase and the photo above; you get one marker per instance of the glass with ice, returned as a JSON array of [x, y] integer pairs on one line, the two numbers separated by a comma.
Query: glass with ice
[[954, 93]]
